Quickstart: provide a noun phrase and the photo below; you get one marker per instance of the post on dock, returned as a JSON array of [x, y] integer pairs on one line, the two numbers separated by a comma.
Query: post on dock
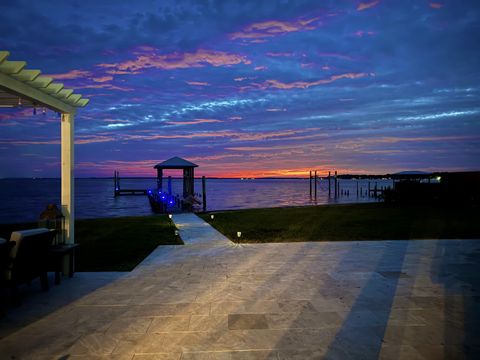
[[159, 179], [204, 194], [336, 184], [170, 185], [115, 183], [188, 182], [315, 184], [357, 188], [329, 185], [369, 189], [310, 179]]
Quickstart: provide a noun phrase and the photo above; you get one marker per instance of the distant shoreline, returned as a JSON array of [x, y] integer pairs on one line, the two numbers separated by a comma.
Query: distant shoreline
[[404, 174]]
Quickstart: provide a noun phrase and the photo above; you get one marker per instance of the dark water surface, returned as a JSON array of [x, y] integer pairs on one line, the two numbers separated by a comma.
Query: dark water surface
[[22, 200]]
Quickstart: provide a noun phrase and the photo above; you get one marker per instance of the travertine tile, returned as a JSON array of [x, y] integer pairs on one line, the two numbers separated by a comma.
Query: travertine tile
[[211, 299], [151, 343], [94, 344], [212, 323], [247, 321], [130, 325], [169, 323]]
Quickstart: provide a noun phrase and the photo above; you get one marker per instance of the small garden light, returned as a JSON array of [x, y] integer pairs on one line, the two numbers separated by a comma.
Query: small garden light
[[176, 232], [239, 234], [212, 216], [170, 217]]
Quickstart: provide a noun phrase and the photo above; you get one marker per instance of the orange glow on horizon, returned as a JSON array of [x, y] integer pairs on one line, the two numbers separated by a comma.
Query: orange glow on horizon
[[145, 169]]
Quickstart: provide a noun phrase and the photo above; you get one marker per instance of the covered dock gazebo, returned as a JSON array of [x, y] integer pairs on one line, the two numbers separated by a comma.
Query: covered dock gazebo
[[178, 163], [27, 88]]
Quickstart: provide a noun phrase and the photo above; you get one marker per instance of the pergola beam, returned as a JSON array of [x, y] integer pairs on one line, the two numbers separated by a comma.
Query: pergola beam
[[53, 88], [27, 75], [4, 55], [21, 89], [40, 82], [12, 67]]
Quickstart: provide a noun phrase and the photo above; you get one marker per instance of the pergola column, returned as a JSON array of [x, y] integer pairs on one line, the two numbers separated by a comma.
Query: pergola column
[[68, 189], [34, 91]]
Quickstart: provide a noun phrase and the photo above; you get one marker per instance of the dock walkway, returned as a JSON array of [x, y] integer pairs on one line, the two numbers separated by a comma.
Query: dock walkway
[[213, 299]]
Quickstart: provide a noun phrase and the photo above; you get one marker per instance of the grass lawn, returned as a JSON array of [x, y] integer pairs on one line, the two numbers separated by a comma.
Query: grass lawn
[[114, 244], [377, 221]]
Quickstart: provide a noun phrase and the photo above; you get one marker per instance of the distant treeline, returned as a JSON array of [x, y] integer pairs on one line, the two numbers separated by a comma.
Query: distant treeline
[[450, 188]]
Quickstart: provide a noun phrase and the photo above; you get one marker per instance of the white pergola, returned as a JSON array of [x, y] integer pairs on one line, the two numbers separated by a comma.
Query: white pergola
[[27, 88]]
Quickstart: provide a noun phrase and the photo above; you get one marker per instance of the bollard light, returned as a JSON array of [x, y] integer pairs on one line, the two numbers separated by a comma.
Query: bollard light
[[170, 216], [176, 232], [239, 234], [212, 216]]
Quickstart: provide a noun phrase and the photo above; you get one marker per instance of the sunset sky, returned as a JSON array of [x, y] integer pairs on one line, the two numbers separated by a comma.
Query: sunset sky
[[251, 87]]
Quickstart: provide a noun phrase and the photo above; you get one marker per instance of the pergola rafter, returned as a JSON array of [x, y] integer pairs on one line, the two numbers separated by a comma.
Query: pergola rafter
[[27, 88]]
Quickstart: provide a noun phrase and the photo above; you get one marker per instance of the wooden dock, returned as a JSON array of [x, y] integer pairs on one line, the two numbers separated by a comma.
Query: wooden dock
[[162, 201], [120, 192]]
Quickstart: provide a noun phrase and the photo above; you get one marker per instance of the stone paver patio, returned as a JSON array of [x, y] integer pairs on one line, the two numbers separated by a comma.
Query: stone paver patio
[[212, 299]]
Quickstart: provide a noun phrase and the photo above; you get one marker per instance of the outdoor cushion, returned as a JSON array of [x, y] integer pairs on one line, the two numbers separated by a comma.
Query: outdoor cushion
[[17, 237]]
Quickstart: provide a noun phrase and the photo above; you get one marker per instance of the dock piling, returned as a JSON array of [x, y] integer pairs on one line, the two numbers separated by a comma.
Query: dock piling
[[115, 183], [336, 184], [329, 185], [310, 179], [204, 194], [315, 184]]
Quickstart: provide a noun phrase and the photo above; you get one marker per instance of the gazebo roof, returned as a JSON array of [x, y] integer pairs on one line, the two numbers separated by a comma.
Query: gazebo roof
[[175, 163], [33, 89]]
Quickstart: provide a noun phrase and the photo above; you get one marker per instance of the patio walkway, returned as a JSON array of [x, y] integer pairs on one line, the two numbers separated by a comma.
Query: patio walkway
[[212, 299]]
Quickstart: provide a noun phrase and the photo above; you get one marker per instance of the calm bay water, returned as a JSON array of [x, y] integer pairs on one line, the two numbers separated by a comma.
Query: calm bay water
[[22, 200]]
